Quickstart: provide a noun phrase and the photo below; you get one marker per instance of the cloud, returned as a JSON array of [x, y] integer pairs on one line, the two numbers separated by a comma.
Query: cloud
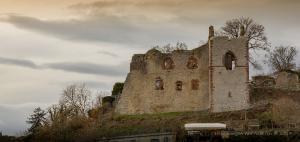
[[152, 22], [108, 53], [88, 68], [24, 105], [128, 22], [18, 62], [105, 29], [77, 67], [98, 85], [2, 123], [91, 84]]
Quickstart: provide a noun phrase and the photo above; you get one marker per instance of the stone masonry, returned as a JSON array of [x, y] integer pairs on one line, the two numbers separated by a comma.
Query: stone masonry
[[211, 77]]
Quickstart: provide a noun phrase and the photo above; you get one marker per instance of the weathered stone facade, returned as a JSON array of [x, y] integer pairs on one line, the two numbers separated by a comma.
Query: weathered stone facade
[[229, 88], [205, 78], [284, 80], [288, 80], [263, 81]]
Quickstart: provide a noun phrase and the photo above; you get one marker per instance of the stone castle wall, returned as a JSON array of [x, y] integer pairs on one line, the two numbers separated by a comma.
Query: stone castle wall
[[140, 95], [188, 80], [284, 80], [287, 80]]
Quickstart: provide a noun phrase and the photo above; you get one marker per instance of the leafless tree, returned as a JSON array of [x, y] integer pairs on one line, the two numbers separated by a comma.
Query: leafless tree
[[180, 46], [255, 33], [58, 113], [282, 58], [99, 96], [77, 99], [53, 112], [169, 48]]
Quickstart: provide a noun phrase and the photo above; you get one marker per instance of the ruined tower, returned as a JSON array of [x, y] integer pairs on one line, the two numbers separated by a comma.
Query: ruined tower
[[228, 73]]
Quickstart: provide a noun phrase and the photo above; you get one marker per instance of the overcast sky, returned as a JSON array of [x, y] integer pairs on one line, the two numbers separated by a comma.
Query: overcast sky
[[47, 44]]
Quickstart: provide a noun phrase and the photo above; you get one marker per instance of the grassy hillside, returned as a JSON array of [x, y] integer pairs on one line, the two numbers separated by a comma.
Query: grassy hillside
[[279, 106], [269, 107]]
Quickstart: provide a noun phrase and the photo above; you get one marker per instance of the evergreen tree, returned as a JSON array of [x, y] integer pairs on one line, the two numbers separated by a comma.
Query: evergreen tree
[[37, 120], [117, 89]]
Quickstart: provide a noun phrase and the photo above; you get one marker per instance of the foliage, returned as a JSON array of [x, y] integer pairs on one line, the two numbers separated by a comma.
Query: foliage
[[282, 58], [58, 113], [265, 116], [108, 99], [62, 121], [285, 110], [93, 113], [76, 99], [36, 120], [69, 130], [117, 89], [8, 138]]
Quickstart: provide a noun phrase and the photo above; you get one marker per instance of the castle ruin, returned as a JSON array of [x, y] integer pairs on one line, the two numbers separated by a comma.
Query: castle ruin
[[214, 77]]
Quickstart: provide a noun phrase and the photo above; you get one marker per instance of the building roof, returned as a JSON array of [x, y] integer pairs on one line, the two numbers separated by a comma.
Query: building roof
[[204, 126]]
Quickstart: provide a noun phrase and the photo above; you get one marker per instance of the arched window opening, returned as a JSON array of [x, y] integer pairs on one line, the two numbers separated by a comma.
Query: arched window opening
[[168, 63], [159, 84], [192, 63], [195, 84], [230, 61], [178, 85]]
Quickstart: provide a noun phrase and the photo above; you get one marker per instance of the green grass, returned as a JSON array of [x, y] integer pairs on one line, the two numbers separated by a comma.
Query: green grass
[[168, 115], [121, 125]]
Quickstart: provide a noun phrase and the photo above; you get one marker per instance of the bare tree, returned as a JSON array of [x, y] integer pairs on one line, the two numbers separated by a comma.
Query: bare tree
[[53, 112], [180, 46], [98, 101], [58, 113], [282, 58], [77, 99], [99, 96], [255, 33], [169, 48]]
